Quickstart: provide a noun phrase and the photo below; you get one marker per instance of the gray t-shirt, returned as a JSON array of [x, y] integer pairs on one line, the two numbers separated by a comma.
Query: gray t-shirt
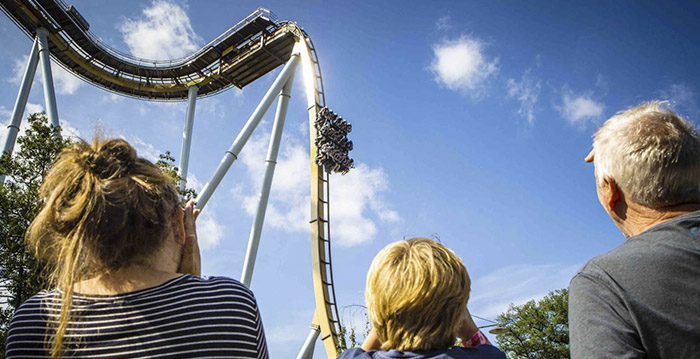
[[642, 299]]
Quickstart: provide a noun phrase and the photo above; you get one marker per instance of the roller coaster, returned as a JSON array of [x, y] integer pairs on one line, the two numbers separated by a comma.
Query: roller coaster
[[248, 50]]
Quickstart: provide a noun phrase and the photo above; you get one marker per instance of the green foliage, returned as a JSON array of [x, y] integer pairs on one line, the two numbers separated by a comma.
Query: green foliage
[[345, 337], [166, 163], [349, 338], [537, 330], [21, 276]]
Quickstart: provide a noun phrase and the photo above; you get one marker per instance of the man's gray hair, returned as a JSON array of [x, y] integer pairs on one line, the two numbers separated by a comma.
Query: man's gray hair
[[652, 154]]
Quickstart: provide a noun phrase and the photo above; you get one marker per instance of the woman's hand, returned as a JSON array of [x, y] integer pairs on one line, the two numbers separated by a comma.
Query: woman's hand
[[190, 262]]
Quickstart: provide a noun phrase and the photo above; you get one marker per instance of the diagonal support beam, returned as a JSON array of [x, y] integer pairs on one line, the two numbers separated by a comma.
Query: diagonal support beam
[[21, 102], [270, 162], [307, 350], [243, 136]]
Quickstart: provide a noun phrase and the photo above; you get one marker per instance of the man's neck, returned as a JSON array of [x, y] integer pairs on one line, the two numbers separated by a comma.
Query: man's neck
[[641, 218]]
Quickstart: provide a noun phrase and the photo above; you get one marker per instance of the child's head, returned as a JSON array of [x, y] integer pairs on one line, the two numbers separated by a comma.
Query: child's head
[[416, 295]]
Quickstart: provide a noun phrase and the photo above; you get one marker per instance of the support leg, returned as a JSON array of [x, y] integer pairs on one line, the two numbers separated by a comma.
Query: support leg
[[49, 93], [271, 161], [21, 102], [240, 141], [187, 134], [307, 351]]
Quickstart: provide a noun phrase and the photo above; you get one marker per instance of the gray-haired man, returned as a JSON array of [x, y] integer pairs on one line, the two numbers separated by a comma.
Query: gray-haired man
[[642, 299]]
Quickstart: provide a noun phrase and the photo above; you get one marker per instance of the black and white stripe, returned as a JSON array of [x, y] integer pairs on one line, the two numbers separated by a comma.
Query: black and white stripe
[[187, 317]]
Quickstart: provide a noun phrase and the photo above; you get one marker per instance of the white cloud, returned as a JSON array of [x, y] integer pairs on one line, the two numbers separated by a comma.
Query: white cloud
[[67, 130], [462, 65], [289, 197], [65, 83], [493, 293], [355, 198], [5, 113], [111, 98], [289, 330], [194, 182], [444, 23], [578, 110], [144, 149], [163, 31], [209, 230], [352, 197], [211, 106], [527, 90], [32, 108], [682, 99]]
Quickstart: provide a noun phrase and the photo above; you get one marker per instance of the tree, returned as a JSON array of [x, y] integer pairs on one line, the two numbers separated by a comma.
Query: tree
[[166, 163], [348, 338], [21, 276], [537, 330]]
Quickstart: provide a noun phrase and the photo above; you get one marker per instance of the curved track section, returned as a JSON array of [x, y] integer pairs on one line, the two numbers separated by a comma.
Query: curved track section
[[326, 318], [248, 50]]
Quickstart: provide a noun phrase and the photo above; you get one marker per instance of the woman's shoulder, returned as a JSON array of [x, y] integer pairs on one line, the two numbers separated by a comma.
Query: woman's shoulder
[[216, 284], [214, 281], [38, 300]]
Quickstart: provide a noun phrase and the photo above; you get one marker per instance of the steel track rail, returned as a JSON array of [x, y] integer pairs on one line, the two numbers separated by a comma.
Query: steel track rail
[[326, 318]]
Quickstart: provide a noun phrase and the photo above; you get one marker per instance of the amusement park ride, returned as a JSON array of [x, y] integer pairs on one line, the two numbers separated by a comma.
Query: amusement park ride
[[245, 52]]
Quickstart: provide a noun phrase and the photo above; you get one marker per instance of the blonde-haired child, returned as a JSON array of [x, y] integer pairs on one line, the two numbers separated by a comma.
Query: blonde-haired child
[[417, 292]]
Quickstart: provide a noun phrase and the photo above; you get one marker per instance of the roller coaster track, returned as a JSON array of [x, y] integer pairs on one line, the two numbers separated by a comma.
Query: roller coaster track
[[326, 317], [248, 50], [243, 53]]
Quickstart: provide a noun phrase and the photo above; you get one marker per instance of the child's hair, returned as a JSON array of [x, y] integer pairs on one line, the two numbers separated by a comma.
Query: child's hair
[[105, 209], [416, 295]]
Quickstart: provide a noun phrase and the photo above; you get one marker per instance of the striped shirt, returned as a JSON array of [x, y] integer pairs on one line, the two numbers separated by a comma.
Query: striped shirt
[[186, 317]]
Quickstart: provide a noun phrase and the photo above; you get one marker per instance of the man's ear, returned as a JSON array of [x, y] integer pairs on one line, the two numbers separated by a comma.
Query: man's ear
[[612, 193]]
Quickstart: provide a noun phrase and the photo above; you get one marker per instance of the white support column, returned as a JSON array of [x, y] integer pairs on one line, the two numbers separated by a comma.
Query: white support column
[[270, 162], [243, 136], [187, 134], [307, 351], [21, 102], [49, 93]]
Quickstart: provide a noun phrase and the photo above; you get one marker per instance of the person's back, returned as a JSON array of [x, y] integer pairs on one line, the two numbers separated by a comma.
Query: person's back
[[652, 285], [186, 317]]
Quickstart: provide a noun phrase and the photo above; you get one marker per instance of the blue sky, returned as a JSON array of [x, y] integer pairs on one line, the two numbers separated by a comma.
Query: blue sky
[[471, 121]]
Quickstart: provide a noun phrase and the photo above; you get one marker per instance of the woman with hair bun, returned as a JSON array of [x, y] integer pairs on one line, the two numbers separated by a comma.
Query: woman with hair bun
[[126, 266]]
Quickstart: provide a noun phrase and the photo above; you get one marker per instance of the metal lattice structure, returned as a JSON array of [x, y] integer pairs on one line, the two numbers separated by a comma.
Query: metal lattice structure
[[245, 52]]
